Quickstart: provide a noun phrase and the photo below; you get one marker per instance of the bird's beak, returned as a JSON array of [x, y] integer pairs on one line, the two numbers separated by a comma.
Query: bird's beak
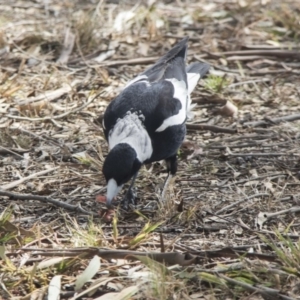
[[112, 191]]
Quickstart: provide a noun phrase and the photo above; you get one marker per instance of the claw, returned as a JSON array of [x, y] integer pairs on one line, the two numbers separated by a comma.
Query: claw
[[165, 188], [129, 199]]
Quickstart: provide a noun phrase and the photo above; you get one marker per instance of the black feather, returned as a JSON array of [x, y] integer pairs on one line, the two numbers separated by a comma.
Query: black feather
[[199, 68], [146, 121], [157, 71]]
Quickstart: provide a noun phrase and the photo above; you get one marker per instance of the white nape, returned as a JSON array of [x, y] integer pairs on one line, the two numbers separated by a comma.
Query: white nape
[[130, 130]]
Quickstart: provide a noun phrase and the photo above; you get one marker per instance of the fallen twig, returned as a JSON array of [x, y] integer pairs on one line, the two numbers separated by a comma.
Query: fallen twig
[[277, 53], [260, 154], [269, 47], [67, 47], [245, 57], [14, 151], [31, 176], [232, 253], [38, 137], [50, 95], [257, 178], [237, 146], [212, 128], [170, 258], [76, 208], [133, 61], [273, 121], [270, 72], [293, 209], [207, 100], [271, 293], [253, 81], [240, 201], [59, 116]]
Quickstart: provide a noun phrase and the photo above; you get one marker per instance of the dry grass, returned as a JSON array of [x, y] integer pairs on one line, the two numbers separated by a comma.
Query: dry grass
[[54, 60]]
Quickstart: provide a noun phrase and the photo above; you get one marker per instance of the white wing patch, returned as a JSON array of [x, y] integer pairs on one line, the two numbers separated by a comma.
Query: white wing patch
[[192, 79], [138, 78], [130, 130], [180, 93]]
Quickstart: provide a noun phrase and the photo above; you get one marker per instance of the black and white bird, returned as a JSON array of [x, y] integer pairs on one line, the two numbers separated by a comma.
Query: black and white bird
[[146, 121]]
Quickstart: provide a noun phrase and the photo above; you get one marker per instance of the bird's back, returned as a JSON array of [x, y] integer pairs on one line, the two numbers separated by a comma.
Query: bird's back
[[158, 101], [155, 91]]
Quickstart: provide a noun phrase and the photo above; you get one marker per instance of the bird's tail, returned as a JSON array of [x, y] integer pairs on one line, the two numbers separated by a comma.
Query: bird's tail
[[195, 72], [171, 65]]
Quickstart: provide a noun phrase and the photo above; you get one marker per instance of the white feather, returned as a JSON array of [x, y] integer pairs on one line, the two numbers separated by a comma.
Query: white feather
[[192, 79], [180, 93], [130, 130], [138, 78]]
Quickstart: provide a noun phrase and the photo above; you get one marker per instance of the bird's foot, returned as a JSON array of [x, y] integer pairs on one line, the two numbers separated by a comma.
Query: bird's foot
[[128, 200], [165, 189]]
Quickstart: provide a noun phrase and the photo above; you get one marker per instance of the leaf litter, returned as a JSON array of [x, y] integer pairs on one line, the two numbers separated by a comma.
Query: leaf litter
[[229, 227]]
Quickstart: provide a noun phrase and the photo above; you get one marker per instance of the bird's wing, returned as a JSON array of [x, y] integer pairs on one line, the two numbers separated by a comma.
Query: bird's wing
[[195, 72], [158, 71], [160, 105], [160, 94]]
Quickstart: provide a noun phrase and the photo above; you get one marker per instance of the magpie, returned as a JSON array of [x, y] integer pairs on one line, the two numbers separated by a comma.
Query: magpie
[[146, 121]]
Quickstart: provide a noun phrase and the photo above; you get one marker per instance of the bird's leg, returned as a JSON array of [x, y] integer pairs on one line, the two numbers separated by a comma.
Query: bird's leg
[[165, 187], [172, 169], [130, 195]]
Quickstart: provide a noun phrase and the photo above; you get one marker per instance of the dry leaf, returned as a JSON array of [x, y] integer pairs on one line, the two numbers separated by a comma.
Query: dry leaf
[[48, 263], [269, 186], [88, 273], [54, 288], [228, 110], [125, 294], [261, 218], [143, 48], [124, 20]]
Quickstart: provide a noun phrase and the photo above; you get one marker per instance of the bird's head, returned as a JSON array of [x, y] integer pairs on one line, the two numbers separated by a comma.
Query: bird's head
[[120, 165]]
